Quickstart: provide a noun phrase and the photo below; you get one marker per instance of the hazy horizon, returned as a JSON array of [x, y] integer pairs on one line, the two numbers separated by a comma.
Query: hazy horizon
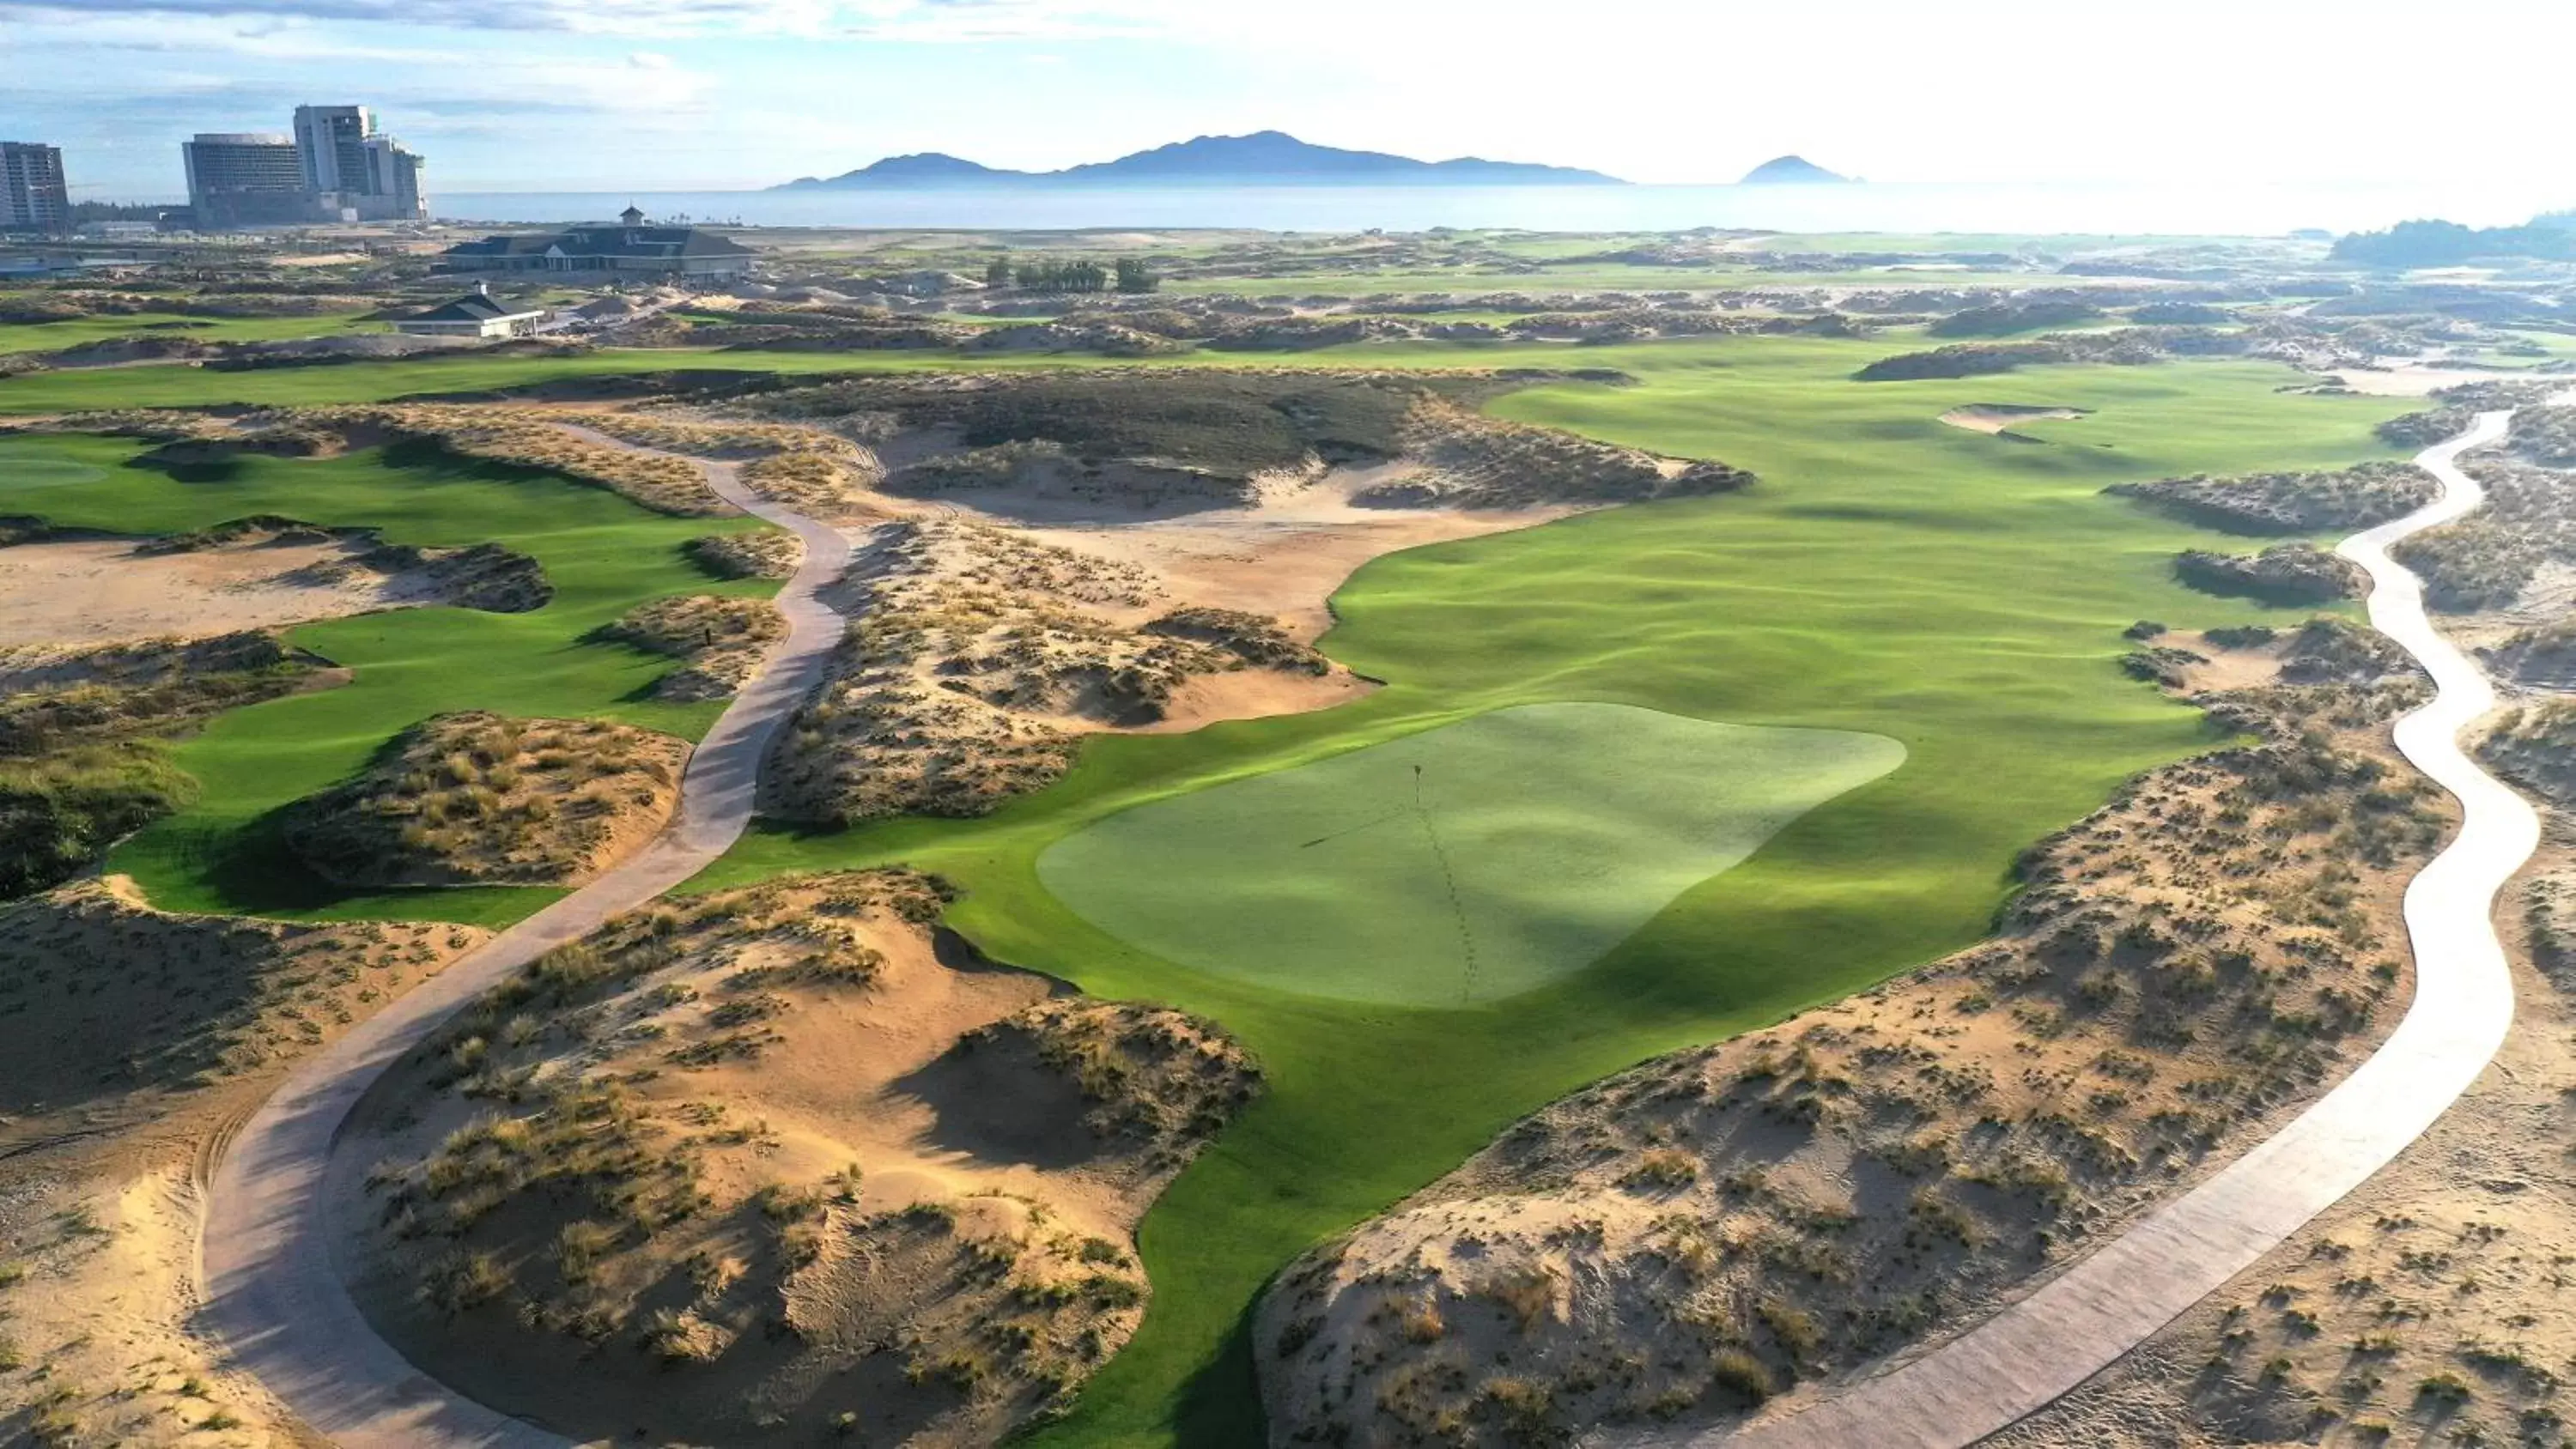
[[718, 95]]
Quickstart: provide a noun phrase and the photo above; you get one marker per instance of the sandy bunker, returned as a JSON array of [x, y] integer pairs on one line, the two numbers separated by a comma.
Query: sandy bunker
[[1996, 419], [1466, 863]]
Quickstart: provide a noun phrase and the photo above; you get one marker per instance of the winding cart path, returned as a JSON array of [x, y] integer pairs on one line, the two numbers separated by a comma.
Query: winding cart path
[[276, 1296], [2103, 1305]]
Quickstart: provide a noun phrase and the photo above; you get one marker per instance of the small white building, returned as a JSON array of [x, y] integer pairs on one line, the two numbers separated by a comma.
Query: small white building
[[476, 314]]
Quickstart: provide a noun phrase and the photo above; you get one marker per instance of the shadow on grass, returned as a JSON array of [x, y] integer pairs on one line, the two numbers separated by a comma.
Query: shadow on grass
[[1221, 1403], [255, 869]]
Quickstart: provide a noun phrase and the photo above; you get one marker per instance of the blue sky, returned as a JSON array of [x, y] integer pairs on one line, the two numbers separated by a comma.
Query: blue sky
[[706, 94]]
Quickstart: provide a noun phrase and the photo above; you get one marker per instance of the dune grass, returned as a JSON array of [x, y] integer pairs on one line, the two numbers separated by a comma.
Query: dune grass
[[1463, 864], [603, 555]]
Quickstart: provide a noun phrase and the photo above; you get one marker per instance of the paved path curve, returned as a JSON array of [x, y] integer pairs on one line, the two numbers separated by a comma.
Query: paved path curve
[[2075, 1325], [275, 1297]]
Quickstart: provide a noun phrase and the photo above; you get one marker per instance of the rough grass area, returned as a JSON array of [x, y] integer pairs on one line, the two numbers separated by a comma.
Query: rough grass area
[[2291, 574], [1232, 424], [2351, 498], [720, 640], [476, 798], [81, 758], [768, 1170], [59, 811], [1467, 863], [101, 995]]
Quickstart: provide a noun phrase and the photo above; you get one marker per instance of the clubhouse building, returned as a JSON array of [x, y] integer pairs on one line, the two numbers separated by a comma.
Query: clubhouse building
[[630, 249]]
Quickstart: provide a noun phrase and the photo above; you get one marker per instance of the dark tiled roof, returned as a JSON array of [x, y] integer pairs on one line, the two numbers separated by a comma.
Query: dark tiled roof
[[646, 242], [473, 307]]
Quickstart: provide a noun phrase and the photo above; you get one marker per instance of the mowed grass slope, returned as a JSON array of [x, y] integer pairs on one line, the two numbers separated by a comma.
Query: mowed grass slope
[[602, 554], [1958, 593], [72, 332], [1467, 863]]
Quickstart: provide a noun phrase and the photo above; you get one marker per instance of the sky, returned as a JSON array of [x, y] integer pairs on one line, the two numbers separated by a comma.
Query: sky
[[680, 95]]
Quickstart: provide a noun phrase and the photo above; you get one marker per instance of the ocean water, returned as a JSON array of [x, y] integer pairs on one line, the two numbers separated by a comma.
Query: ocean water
[[2212, 210]]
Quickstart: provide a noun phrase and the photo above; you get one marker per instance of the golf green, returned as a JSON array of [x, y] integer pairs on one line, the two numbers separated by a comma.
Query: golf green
[[1462, 864]]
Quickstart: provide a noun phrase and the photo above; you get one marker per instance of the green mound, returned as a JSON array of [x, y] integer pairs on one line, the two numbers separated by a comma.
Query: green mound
[[1466, 863]]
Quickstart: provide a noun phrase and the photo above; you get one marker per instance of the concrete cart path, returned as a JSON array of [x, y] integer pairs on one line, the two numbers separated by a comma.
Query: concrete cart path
[[276, 1298], [2101, 1306]]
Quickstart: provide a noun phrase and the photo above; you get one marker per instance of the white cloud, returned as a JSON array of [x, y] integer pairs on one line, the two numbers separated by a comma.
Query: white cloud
[[581, 17]]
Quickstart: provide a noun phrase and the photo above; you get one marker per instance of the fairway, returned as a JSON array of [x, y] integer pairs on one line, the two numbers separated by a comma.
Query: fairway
[[1463, 864], [602, 553], [30, 469]]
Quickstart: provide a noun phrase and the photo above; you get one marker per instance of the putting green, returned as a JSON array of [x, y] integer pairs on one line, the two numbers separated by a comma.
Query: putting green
[[1466, 863]]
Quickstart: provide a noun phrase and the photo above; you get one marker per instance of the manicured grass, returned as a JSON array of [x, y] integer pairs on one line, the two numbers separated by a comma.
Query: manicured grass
[[602, 554], [49, 336], [183, 387], [1467, 863], [1958, 593]]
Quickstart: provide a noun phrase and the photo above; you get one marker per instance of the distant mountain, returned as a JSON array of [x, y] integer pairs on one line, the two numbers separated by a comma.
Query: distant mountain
[[1790, 171], [928, 168], [1265, 158]]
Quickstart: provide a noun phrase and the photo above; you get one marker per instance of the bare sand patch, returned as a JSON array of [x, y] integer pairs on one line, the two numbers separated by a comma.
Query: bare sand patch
[[2413, 377], [1284, 555], [1997, 419], [87, 591], [133, 1038]]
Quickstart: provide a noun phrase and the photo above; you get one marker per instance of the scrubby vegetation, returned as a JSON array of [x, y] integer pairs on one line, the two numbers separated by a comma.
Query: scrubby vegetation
[[100, 995], [974, 660], [1230, 424], [2543, 655], [720, 641], [2424, 429], [81, 763], [2546, 436], [2488, 559], [762, 554], [2446, 243], [654, 1170], [2005, 318], [2534, 746], [1693, 1235], [475, 797], [2126, 346], [2285, 573], [61, 810], [1474, 461], [2350, 498]]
